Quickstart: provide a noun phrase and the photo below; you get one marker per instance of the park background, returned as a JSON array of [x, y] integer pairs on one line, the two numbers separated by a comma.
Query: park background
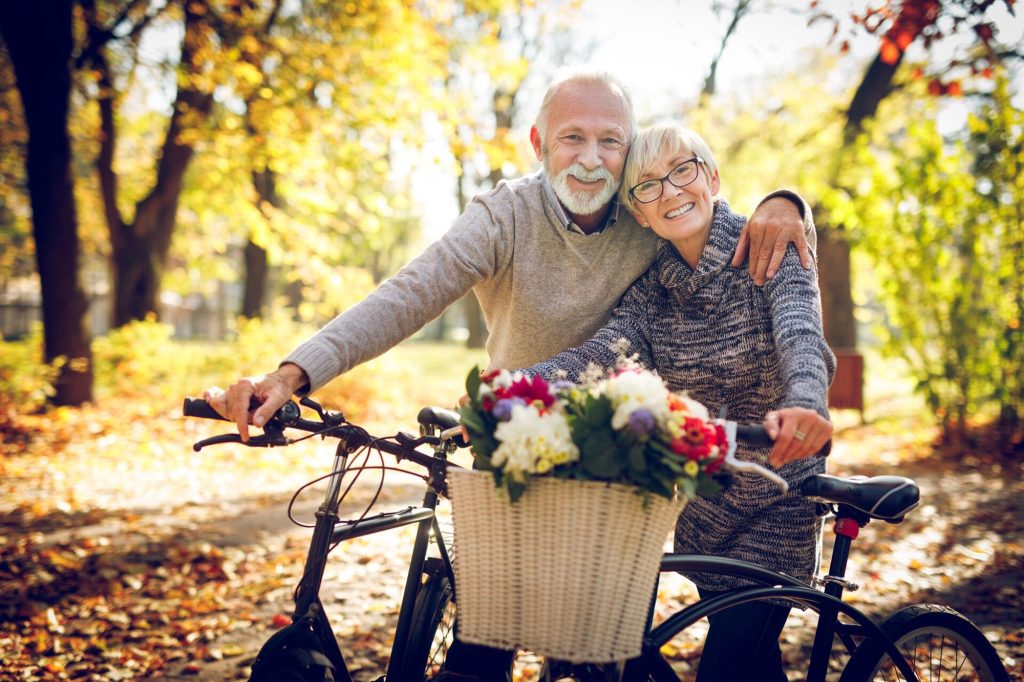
[[190, 188]]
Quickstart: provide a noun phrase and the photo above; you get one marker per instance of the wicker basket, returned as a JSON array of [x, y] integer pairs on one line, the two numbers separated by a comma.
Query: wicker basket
[[567, 571]]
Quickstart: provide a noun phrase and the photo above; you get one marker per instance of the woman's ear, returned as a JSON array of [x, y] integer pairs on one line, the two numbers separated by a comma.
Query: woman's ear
[[640, 220], [715, 183]]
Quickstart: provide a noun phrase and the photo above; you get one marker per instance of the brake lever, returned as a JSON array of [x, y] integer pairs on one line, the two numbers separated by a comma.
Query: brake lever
[[266, 440]]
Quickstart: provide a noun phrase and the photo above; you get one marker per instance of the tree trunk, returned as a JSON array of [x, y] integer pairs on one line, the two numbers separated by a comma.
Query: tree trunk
[[140, 248], [835, 283], [39, 40], [256, 269]]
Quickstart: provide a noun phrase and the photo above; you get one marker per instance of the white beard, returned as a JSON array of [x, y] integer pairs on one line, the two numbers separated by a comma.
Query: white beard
[[582, 202]]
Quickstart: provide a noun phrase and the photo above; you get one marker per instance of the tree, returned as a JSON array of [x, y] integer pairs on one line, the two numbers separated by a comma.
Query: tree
[[900, 25], [941, 218], [139, 246], [38, 38]]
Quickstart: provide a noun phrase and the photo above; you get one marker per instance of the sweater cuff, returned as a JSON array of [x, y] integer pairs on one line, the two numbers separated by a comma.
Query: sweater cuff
[[801, 205], [319, 364]]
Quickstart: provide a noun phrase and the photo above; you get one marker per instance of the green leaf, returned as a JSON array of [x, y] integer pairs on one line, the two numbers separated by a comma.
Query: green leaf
[[687, 487], [599, 457], [637, 460], [515, 489], [473, 386], [708, 487]]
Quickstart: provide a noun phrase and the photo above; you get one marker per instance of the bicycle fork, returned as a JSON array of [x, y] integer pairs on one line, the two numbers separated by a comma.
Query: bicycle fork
[[307, 595]]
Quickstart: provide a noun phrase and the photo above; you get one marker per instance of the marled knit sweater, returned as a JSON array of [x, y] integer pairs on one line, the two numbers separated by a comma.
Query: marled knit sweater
[[713, 333]]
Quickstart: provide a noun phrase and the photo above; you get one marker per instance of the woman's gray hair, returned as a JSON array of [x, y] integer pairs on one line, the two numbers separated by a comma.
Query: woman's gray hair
[[584, 77], [655, 144]]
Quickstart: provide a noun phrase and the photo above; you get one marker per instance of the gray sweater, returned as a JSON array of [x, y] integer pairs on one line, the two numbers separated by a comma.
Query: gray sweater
[[713, 333], [542, 286]]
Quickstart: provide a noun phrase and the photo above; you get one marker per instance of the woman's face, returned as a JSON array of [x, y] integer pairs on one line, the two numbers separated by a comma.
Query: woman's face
[[681, 215]]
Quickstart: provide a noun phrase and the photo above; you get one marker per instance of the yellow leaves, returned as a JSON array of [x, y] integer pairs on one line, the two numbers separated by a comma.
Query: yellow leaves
[[247, 74]]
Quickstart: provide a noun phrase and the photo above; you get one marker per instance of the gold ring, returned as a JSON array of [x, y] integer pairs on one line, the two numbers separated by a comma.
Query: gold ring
[[800, 436]]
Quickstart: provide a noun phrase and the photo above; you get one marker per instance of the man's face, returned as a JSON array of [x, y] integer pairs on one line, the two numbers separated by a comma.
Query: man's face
[[585, 146]]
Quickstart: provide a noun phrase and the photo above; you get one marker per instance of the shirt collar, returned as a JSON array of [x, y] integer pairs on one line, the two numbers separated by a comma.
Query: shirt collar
[[563, 217]]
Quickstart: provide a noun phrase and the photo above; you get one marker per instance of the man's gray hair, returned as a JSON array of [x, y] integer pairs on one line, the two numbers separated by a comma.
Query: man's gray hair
[[584, 76]]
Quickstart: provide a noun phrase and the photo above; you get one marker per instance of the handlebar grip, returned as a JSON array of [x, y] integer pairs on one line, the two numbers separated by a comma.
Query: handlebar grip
[[757, 436], [197, 407], [754, 435]]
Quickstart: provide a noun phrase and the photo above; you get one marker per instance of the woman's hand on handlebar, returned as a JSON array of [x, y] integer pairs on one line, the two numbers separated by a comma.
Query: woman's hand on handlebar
[[254, 400], [798, 433]]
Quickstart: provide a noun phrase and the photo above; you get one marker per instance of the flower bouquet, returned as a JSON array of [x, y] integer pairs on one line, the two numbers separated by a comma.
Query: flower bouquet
[[626, 428], [562, 555]]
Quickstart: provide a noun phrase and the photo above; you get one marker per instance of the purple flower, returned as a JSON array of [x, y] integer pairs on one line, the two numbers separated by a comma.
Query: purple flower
[[562, 385], [641, 423], [502, 410]]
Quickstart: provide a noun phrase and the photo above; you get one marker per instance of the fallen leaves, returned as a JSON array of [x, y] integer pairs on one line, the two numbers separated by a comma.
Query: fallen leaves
[[124, 555]]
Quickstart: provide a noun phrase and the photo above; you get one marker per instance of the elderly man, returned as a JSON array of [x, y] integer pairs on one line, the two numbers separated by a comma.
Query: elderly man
[[548, 256]]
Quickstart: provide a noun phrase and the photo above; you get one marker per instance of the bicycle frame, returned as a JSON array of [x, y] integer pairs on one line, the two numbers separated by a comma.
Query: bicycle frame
[[329, 531], [827, 604]]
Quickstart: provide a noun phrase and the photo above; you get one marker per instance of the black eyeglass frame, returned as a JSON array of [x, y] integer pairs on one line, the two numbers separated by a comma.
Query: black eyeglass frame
[[661, 181]]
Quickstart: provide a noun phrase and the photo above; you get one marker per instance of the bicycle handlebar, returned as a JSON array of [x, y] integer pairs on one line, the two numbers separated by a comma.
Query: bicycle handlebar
[[754, 435]]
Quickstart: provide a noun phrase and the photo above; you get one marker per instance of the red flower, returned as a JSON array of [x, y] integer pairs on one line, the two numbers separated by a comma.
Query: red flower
[[721, 440], [531, 390], [694, 429]]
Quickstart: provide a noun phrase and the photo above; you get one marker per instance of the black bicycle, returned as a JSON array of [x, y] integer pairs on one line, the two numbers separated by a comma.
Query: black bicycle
[[922, 642]]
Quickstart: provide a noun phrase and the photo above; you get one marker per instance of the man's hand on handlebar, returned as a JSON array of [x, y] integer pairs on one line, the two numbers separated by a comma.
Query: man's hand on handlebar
[[254, 400], [798, 433]]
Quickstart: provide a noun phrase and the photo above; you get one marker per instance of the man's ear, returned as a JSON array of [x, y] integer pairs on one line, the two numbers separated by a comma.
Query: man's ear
[[536, 142]]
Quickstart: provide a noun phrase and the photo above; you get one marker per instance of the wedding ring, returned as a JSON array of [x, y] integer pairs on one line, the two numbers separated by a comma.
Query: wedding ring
[[800, 435]]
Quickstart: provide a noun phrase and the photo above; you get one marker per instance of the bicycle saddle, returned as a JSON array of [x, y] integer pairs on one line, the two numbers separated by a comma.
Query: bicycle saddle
[[881, 497], [438, 416]]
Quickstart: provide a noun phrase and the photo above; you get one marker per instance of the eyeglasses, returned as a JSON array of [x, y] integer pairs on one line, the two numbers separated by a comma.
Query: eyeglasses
[[680, 176]]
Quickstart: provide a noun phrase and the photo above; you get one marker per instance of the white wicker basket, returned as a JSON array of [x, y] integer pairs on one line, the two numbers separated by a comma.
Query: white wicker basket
[[567, 571]]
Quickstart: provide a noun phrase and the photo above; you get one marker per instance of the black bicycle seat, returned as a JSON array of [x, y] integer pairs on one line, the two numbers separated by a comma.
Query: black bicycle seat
[[438, 416], [888, 498]]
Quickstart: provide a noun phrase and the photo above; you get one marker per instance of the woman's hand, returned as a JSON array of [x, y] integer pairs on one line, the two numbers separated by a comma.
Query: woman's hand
[[798, 433], [254, 400]]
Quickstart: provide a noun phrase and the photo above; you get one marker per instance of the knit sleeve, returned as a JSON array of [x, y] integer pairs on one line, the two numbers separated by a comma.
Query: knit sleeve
[[474, 249], [806, 362], [624, 335]]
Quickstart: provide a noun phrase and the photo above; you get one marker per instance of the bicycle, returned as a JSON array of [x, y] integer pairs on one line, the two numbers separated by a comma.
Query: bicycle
[[307, 650]]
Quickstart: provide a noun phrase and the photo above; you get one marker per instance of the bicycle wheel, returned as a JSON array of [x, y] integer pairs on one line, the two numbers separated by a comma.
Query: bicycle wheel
[[433, 626], [937, 641]]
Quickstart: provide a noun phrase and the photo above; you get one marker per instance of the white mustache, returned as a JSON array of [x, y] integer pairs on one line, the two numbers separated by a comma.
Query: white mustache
[[580, 173]]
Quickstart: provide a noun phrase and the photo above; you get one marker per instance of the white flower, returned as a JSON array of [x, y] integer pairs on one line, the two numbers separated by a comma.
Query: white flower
[[531, 442], [695, 408], [633, 389]]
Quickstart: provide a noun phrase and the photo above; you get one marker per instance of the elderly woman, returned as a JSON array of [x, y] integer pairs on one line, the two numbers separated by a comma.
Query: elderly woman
[[758, 351]]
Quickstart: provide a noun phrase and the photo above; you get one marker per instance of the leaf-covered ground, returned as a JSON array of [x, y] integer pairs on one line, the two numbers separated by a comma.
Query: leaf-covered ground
[[125, 555]]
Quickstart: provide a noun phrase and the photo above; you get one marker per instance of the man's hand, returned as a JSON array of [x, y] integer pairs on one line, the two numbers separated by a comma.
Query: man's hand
[[254, 400], [769, 231], [798, 433]]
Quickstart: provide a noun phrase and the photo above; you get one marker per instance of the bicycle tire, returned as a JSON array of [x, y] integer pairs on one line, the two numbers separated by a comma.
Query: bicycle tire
[[433, 628], [940, 643]]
